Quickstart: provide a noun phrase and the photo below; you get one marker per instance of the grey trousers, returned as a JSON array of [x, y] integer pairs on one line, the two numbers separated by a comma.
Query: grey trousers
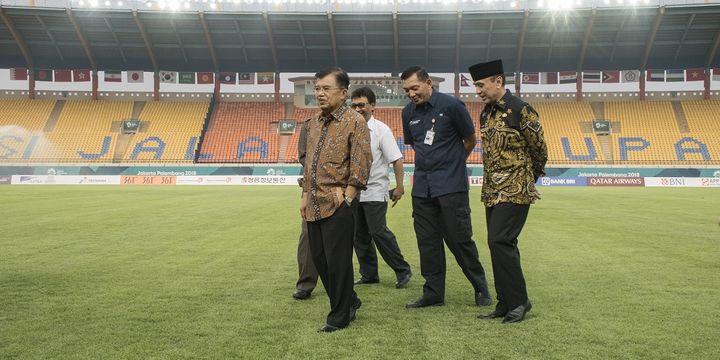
[[371, 231], [306, 268]]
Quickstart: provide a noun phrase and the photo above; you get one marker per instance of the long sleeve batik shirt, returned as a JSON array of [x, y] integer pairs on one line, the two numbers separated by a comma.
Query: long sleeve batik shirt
[[338, 156], [514, 151]]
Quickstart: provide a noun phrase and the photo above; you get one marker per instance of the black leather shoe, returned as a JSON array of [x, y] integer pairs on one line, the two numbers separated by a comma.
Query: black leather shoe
[[327, 328], [517, 314], [421, 303], [364, 280], [403, 280], [493, 315], [354, 309], [483, 299], [301, 294]]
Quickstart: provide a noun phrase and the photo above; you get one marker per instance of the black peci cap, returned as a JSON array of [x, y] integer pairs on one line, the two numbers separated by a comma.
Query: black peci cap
[[487, 69]]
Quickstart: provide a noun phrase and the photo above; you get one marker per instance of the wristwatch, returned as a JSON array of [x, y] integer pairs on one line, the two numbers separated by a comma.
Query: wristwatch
[[349, 200]]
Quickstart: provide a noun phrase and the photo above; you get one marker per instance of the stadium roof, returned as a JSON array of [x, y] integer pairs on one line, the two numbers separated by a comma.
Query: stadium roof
[[528, 40]]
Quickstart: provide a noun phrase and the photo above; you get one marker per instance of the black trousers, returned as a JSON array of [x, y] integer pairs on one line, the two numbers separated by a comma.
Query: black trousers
[[370, 231], [446, 217], [331, 244], [308, 275], [505, 221]]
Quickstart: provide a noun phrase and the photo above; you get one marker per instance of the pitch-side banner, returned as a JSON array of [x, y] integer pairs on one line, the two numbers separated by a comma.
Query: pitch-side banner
[[612, 181], [561, 181], [682, 182], [65, 180], [237, 180]]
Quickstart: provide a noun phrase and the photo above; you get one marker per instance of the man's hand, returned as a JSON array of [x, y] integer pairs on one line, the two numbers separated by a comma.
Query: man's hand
[[535, 195], [397, 193], [303, 205]]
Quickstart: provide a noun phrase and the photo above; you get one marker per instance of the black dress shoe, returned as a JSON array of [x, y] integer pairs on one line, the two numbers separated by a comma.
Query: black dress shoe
[[517, 314], [421, 303], [354, 309], [403, 280], [364, 280], [483, 299], [301, 294], [327, 328], [493, 315]]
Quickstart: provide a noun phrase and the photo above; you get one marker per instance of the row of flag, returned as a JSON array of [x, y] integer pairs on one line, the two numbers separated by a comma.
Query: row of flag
[[605, 77], [168, 77]]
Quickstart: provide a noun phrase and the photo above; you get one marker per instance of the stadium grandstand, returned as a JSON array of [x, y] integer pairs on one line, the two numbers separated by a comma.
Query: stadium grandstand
[[620, 254], [210, 82]]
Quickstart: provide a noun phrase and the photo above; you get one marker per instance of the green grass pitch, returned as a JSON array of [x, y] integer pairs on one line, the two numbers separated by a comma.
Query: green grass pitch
[[207, 272]]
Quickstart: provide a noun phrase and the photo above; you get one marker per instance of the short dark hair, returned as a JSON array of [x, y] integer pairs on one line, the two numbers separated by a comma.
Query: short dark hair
[[364, 92], [341, 77], [502, 76], [418, 70]]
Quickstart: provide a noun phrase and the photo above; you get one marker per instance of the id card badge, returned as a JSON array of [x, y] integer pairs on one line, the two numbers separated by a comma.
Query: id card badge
[[429, 136]]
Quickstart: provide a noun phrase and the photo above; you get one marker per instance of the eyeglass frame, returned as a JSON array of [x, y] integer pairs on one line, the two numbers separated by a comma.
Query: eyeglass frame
[[360, 105], [325, 90]]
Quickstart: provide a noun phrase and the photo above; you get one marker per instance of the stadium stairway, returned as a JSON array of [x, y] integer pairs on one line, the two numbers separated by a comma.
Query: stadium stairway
[[598, 109], [206, 123], [604, 141], [682, 123], [124, 140], [54, 115], [284, 143]]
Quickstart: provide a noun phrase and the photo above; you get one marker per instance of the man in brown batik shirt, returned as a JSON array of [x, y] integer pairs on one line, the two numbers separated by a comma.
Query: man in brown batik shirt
[[337, 167]]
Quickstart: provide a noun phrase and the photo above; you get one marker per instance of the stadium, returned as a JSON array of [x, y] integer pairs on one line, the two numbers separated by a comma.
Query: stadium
[[149, 165]]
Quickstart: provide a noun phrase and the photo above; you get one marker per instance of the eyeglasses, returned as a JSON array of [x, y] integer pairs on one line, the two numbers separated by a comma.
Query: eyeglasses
[[325, 89], [360, 105]]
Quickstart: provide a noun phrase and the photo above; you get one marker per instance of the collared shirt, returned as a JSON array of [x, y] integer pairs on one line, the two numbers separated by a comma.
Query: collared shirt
[[338, 155], [440, 168], [384, 151], [514, 151]]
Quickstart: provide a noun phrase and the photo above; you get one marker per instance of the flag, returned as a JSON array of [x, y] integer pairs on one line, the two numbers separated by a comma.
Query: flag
[[509, 78], [695, 74], [81, 75], [675, 75], [464, 81], [63, 76], [168, 77], [43, 75], [113, 76], [610, 77], [228, 78], [530, 78], [591, 76], [246, 78], [205, 78], [549, 78], [655, 75], [630, 76], [568, 77], [135, 76], [18, 74], [187, 77], [716, 74], [265, 78]]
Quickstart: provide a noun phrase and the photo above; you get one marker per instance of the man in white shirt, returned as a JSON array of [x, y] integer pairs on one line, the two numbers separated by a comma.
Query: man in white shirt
[[371, 228]]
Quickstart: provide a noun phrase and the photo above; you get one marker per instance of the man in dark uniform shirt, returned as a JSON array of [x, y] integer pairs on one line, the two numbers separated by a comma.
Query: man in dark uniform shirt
[[441, 132], [514, 157]]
